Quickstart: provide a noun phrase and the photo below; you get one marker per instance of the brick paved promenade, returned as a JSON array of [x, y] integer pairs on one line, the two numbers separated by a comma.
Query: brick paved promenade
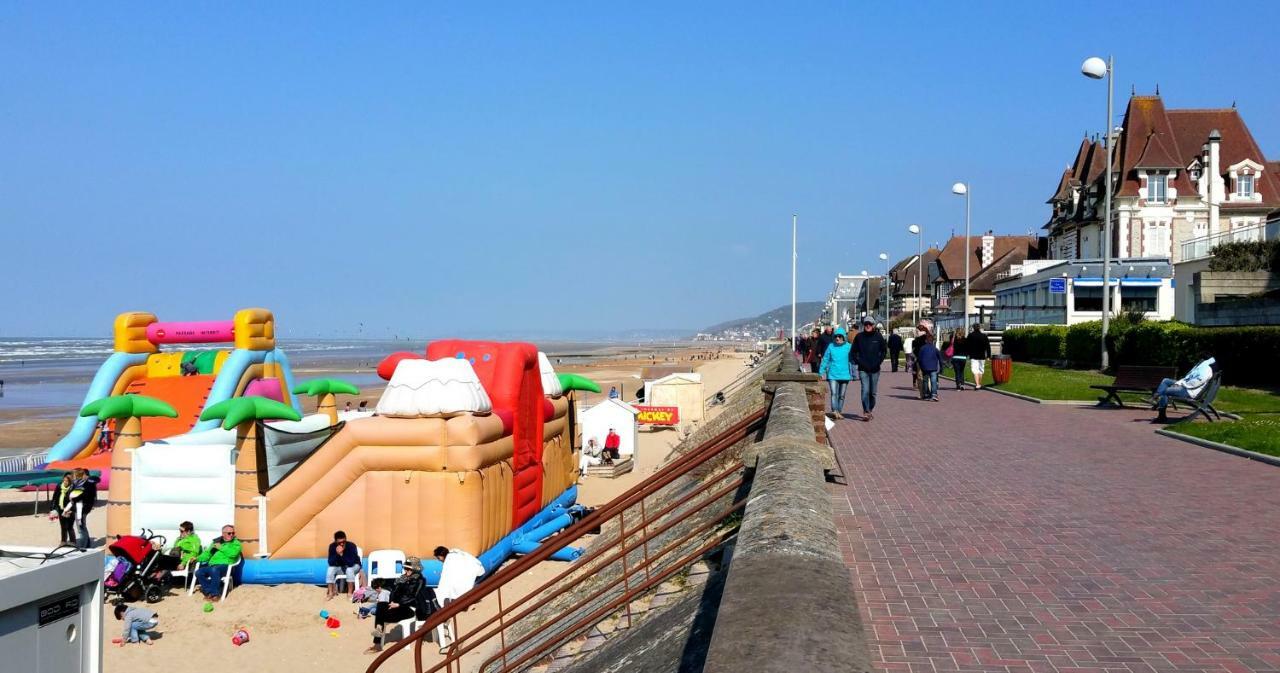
[[986, 533]]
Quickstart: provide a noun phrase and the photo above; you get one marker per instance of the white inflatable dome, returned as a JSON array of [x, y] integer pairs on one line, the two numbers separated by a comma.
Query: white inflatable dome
[[421, 388], [550, 382]]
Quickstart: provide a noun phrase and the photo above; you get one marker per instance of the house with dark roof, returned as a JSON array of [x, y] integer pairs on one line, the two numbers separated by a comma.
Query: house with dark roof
[[1184, 179], [907, 280], [987, 256]]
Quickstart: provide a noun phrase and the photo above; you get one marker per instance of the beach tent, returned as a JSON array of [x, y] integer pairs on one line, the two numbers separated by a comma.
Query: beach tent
[[683, 390], [616, 414]]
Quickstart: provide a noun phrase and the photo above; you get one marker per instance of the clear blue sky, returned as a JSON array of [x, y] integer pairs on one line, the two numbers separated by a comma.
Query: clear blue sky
[[546, 166]]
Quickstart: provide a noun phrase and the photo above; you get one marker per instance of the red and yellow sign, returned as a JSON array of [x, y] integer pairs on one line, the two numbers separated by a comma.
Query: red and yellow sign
[[658, 415]]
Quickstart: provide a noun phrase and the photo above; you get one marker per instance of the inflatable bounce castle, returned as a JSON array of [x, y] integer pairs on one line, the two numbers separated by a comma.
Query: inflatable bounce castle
[[470, 448], [188, 380]]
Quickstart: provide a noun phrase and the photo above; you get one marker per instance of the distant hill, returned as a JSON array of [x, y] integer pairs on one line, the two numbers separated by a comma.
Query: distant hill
[[766, 324]]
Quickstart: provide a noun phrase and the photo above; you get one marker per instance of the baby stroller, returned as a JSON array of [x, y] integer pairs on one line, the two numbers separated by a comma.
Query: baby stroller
[[130, 573]]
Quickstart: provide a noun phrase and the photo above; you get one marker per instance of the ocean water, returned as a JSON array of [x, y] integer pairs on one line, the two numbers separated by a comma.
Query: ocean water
[[55, 372]]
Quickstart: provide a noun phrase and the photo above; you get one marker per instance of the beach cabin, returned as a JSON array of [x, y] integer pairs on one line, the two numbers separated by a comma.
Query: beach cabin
[[616, 414], [683, 390]]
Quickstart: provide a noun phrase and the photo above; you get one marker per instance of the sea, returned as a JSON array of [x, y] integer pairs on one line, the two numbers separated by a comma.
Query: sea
[[53, 373]]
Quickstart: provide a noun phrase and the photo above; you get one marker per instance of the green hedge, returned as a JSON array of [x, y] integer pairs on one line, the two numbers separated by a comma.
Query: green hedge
[[1248, 355]]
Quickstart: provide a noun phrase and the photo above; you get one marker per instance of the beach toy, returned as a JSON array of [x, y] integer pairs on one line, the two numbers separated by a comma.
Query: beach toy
[[240, 637], [332, 622], [208, 606], [334, 634], [324, 614]]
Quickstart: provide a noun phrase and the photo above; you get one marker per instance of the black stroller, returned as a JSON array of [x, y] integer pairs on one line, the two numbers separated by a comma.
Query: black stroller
[[131, 572]]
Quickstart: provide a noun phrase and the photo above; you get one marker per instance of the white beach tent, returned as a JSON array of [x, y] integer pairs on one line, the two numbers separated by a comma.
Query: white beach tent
[[596, 421], [682, 390]]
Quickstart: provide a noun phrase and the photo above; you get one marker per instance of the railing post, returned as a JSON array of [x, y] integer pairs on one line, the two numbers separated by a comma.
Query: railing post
[[622, 540], [644, 535]]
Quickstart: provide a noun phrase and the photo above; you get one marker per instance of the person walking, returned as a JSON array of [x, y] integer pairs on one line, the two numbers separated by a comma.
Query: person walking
[[979, 347], [956, 352], [64, 510], [835, 368], [868, 349], [83, 497], [929, 361], [895, 349]]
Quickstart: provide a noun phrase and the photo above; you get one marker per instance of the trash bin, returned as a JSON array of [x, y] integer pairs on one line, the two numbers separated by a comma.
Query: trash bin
[[1001, 368]]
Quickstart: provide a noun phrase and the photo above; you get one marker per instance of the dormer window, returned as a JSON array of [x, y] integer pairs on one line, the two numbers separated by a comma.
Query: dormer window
[[1157, 188], [1244, 186]]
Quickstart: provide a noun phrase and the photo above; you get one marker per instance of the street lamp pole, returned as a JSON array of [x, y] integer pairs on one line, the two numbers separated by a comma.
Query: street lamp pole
[[884, 257], [1096, 68], [793, 281], [962, 189], [915, 229]]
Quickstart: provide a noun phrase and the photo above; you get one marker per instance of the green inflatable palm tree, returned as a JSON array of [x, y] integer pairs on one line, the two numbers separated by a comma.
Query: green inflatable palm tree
[[325, 390], [132, 408], [243, 414]]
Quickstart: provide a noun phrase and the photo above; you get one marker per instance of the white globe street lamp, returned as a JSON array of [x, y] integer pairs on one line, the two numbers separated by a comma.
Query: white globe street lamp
[[884, 257], [1096, 68], [915, 229], [961, 189]]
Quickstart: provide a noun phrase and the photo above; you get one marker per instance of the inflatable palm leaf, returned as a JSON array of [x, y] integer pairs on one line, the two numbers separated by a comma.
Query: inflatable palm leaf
[[128, 406], [577, 382], [317, 387], [238, 410]]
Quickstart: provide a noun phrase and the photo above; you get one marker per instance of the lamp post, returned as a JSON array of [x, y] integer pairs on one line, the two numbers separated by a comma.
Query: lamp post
[[884, 257], [793, 281], [1096, 68], [962, 189], [915, 229]]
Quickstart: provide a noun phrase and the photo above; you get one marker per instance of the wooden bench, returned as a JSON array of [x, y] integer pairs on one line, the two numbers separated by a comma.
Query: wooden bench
[[1134, 379]]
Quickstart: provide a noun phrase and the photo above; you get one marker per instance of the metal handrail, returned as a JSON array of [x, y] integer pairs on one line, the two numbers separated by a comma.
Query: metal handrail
[[1201, 247], [616, 508]]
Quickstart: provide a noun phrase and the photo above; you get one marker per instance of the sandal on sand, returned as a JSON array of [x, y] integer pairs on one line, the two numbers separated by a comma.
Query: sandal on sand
[[373, 650]]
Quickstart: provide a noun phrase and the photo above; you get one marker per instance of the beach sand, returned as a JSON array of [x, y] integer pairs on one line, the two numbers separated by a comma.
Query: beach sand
[[286, 632]]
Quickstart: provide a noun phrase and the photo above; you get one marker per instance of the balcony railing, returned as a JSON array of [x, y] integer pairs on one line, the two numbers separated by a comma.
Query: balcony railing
[[1199, 248]]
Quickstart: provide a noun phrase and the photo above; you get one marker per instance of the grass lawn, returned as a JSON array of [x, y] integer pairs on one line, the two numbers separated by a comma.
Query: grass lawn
[[1258, 430]]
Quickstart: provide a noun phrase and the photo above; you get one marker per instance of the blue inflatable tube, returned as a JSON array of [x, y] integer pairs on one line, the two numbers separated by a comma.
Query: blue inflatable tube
[[103, 382], [312, 570]]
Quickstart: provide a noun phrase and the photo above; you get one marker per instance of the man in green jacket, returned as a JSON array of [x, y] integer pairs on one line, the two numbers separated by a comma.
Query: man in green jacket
[[216, 562]]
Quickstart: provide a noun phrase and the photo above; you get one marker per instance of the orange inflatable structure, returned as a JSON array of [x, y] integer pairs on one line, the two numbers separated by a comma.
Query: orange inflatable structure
[[466, 451]]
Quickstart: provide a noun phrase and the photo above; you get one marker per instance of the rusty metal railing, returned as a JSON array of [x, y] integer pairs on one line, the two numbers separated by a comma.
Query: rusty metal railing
[[641, 545]]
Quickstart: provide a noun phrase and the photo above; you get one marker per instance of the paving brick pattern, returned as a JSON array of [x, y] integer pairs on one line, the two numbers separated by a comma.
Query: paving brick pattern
[[985, 533]]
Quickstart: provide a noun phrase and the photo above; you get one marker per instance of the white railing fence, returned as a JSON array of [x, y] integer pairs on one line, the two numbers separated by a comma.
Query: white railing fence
[[1199, 248]]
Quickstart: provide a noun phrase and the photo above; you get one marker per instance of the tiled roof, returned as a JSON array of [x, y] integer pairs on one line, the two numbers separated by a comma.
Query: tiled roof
[[904, 276], [951, 260], [985, 280], [1154, 137]]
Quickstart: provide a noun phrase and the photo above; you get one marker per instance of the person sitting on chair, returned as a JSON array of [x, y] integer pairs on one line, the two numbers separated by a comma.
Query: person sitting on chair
[[1187, 387], [216, 561], [344, 560]]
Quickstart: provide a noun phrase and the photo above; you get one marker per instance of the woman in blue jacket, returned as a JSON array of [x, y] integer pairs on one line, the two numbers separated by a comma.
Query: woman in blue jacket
[[836, 370], [930, 361]]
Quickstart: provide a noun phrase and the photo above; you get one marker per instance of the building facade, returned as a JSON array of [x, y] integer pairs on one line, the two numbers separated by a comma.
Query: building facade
[[1183, 177], [1066, 292], [988, 255]]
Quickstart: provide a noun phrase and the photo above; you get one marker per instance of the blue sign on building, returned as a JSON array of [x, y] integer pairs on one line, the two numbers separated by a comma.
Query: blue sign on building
[[1058, 285]]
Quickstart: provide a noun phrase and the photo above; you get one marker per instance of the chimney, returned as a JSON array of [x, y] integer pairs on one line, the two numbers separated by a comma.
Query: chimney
[[1214, 174], [988, 249]]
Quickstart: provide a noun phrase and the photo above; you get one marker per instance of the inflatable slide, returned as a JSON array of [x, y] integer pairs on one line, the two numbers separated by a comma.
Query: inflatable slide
[[189, 380], [469, 449]]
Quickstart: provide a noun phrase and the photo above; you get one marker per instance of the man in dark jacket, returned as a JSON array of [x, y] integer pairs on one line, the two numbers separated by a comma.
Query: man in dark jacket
[[978, 348], [344, 560], [895, 349], [868, 353], [84, 494]]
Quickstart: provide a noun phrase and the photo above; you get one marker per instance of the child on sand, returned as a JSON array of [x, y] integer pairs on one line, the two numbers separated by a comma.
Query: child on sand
[[137, 621], [378, 594]]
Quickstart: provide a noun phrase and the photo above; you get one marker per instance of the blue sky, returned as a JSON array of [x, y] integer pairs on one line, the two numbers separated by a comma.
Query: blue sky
[[424, 169]]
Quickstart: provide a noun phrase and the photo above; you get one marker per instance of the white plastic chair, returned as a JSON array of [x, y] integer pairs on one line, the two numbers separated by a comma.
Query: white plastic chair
[[187, 573], [386, 564], [226, 579]]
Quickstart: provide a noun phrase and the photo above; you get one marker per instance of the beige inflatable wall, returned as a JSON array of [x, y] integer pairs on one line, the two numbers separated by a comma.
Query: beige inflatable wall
[[411, 484]]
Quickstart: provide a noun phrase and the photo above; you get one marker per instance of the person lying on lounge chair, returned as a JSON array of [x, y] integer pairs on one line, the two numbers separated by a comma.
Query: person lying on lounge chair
[[1184, 388]]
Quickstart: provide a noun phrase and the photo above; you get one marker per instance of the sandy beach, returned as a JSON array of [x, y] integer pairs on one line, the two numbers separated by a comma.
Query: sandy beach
[[287, 634]]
